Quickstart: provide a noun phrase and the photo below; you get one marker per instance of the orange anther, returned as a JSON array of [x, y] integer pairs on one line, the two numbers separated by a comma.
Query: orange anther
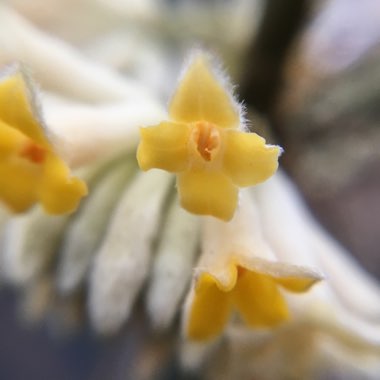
[[240, 271], [207, 139], [33, 152]]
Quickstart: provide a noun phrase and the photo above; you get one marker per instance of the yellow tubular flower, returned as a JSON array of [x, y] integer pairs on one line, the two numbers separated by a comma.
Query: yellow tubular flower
[[239, 272], [205, 145], [254, 294], [30, 170]]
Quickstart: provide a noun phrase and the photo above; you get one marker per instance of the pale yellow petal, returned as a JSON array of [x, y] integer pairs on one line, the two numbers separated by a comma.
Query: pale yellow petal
[[207, 193], [209, 310], [201, 96], [59, 192], [11, 140], [19, 180], [164, 146], [259, 300], [297, 284], [17, 109], [247, 159], [30, 170]]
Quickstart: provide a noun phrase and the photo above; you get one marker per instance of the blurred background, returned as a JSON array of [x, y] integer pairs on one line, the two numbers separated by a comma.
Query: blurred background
[[310, 70]]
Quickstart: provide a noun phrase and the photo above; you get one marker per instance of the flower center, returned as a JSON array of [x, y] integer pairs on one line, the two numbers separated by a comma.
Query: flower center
[[241, 271], [33, 152], [207, 139]]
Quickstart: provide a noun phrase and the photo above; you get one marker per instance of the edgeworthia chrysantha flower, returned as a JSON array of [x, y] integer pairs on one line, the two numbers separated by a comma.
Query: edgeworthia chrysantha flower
[[331, 328], [30, 169], [205, 143], [238, 271], [131, 235]]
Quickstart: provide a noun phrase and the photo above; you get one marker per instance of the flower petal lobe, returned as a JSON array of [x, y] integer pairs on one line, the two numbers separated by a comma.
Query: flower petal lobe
[[247, 160], [209, 311], [164, 146], [201, 96], [259, 300], [207, 193]]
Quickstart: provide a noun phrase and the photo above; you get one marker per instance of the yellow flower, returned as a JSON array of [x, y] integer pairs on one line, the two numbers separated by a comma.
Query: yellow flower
[[204, 143], [30, 170], [254, 293], [239, 271]]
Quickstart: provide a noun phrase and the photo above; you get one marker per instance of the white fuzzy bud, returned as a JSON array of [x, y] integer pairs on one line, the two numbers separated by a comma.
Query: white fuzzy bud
[[122, 263]]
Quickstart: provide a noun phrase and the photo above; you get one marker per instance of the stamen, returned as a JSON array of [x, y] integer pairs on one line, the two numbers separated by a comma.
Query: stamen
[[241, 271], [207, 139], [33, 152]]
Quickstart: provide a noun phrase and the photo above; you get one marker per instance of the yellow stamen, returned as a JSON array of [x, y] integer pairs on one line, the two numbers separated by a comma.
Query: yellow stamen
[[33, 152], [241, 271], [207, 139]]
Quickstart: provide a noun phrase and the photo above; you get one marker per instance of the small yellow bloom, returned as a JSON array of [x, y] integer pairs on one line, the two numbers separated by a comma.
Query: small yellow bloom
[[238, 271], [30, 170], [255, 295], [205, 145]]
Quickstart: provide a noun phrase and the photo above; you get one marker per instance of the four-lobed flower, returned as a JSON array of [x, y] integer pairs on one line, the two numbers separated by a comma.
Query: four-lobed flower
[[205, 144], [238, 271], [30, 170]]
